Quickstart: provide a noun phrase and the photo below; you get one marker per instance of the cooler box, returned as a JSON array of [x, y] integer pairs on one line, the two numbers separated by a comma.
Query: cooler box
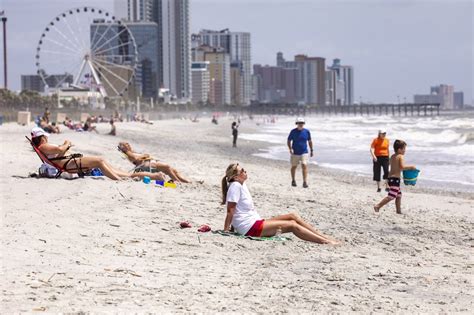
[[410, 177], [24, 118]]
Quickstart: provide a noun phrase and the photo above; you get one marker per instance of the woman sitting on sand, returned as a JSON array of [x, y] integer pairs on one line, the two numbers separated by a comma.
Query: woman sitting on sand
[[145, 162], [241, 214], [88, 126], [43, 124], [76, 165]]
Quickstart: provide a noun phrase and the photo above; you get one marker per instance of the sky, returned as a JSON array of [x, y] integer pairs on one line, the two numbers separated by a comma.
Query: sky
[[397, 47]]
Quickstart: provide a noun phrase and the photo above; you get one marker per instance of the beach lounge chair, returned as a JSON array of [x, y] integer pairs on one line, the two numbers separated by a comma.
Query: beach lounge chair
[[76, 168]]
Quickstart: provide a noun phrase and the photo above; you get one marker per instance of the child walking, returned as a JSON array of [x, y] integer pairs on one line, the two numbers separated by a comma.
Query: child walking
[[397, 165]]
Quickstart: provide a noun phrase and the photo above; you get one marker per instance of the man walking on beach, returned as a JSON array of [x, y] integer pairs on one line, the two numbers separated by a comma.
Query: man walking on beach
[[298, 141]]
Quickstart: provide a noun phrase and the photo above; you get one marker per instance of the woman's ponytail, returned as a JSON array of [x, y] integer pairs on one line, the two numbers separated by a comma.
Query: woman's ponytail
[[230, 173], [225, 187]]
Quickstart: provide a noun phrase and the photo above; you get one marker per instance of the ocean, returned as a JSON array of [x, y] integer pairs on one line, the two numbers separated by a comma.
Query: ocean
[[442, 147]]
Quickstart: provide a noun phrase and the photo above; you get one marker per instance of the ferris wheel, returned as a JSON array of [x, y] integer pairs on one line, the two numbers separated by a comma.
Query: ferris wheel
[[87, 48]]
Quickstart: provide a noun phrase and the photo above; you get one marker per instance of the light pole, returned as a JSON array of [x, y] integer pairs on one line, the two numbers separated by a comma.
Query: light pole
[[398, 99], [4, 20]]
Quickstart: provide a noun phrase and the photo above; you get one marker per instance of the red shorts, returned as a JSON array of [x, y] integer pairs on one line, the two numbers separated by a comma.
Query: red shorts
[[256, 229]]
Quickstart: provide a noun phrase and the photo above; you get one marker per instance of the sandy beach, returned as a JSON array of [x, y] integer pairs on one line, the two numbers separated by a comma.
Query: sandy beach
[[95, 245]]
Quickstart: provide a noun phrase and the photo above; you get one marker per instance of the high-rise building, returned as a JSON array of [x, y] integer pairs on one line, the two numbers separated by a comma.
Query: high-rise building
[[201, 82], [32, 83], [35, 83], [331, 86], [219, 71], [442, 94], [254, 98], [446, 95], [290, 83], [236, 83], [145, 34], [219, 68], [335, 88], [271, 89], [313, 76], [139, 10], [174, 46], [345, 77], [280, 60], [238, 46], [458, 98], [278, 84]]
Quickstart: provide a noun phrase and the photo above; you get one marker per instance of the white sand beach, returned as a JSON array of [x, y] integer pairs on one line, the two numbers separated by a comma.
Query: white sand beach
[[96, 245]]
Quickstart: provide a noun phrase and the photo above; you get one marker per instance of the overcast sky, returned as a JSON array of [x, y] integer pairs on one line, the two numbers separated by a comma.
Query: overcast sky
[[397, 47]]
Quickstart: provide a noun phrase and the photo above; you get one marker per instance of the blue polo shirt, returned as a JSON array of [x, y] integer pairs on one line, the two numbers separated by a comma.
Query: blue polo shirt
[[299, 140]]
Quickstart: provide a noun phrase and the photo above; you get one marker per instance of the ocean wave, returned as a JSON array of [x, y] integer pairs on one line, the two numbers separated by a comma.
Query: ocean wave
[[467, 137]]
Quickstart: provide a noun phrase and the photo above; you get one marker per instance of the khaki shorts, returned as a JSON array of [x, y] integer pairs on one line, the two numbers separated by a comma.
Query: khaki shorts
[[296, 159]]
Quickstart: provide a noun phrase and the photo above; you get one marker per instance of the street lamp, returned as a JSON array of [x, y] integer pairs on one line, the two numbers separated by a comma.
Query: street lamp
[[4, 20]]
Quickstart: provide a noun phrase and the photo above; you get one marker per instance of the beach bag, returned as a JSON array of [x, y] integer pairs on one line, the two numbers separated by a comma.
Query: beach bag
[[47, 171], [410, 177]]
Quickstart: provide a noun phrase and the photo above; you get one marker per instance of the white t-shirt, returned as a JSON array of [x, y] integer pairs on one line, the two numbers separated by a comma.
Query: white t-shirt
[[244, 215]]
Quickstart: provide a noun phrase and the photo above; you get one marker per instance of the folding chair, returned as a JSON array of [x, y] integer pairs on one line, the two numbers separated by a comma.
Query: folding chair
[[78, 166]]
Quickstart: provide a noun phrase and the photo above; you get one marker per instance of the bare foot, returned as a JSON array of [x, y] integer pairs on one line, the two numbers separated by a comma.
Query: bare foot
[[376, 208], [399, 211]]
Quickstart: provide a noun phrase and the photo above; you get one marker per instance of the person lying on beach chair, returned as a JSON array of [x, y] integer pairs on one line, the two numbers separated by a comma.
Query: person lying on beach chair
[[144, 162], [77, 163], [51, 167], [242, 216]]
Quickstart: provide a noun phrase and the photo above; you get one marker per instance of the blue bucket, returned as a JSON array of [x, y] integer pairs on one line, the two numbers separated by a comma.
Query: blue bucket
[[410, 177]]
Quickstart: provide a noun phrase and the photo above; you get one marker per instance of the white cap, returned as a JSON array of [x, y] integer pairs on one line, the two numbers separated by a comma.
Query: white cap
[[300, 120], [383, 130], [38, 132]]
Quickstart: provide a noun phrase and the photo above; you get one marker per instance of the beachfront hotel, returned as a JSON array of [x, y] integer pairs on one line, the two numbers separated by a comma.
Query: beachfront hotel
[[201, 82], [304, 80], [173, 40], [443, 94], [343, 93], [238, 46]]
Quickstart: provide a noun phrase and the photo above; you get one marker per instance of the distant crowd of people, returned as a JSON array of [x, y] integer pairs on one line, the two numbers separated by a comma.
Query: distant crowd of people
[[45, 123]]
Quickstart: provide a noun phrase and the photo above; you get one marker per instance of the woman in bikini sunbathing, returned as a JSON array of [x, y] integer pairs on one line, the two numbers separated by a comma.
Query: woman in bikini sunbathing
[[144, 162], [80, 163]]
